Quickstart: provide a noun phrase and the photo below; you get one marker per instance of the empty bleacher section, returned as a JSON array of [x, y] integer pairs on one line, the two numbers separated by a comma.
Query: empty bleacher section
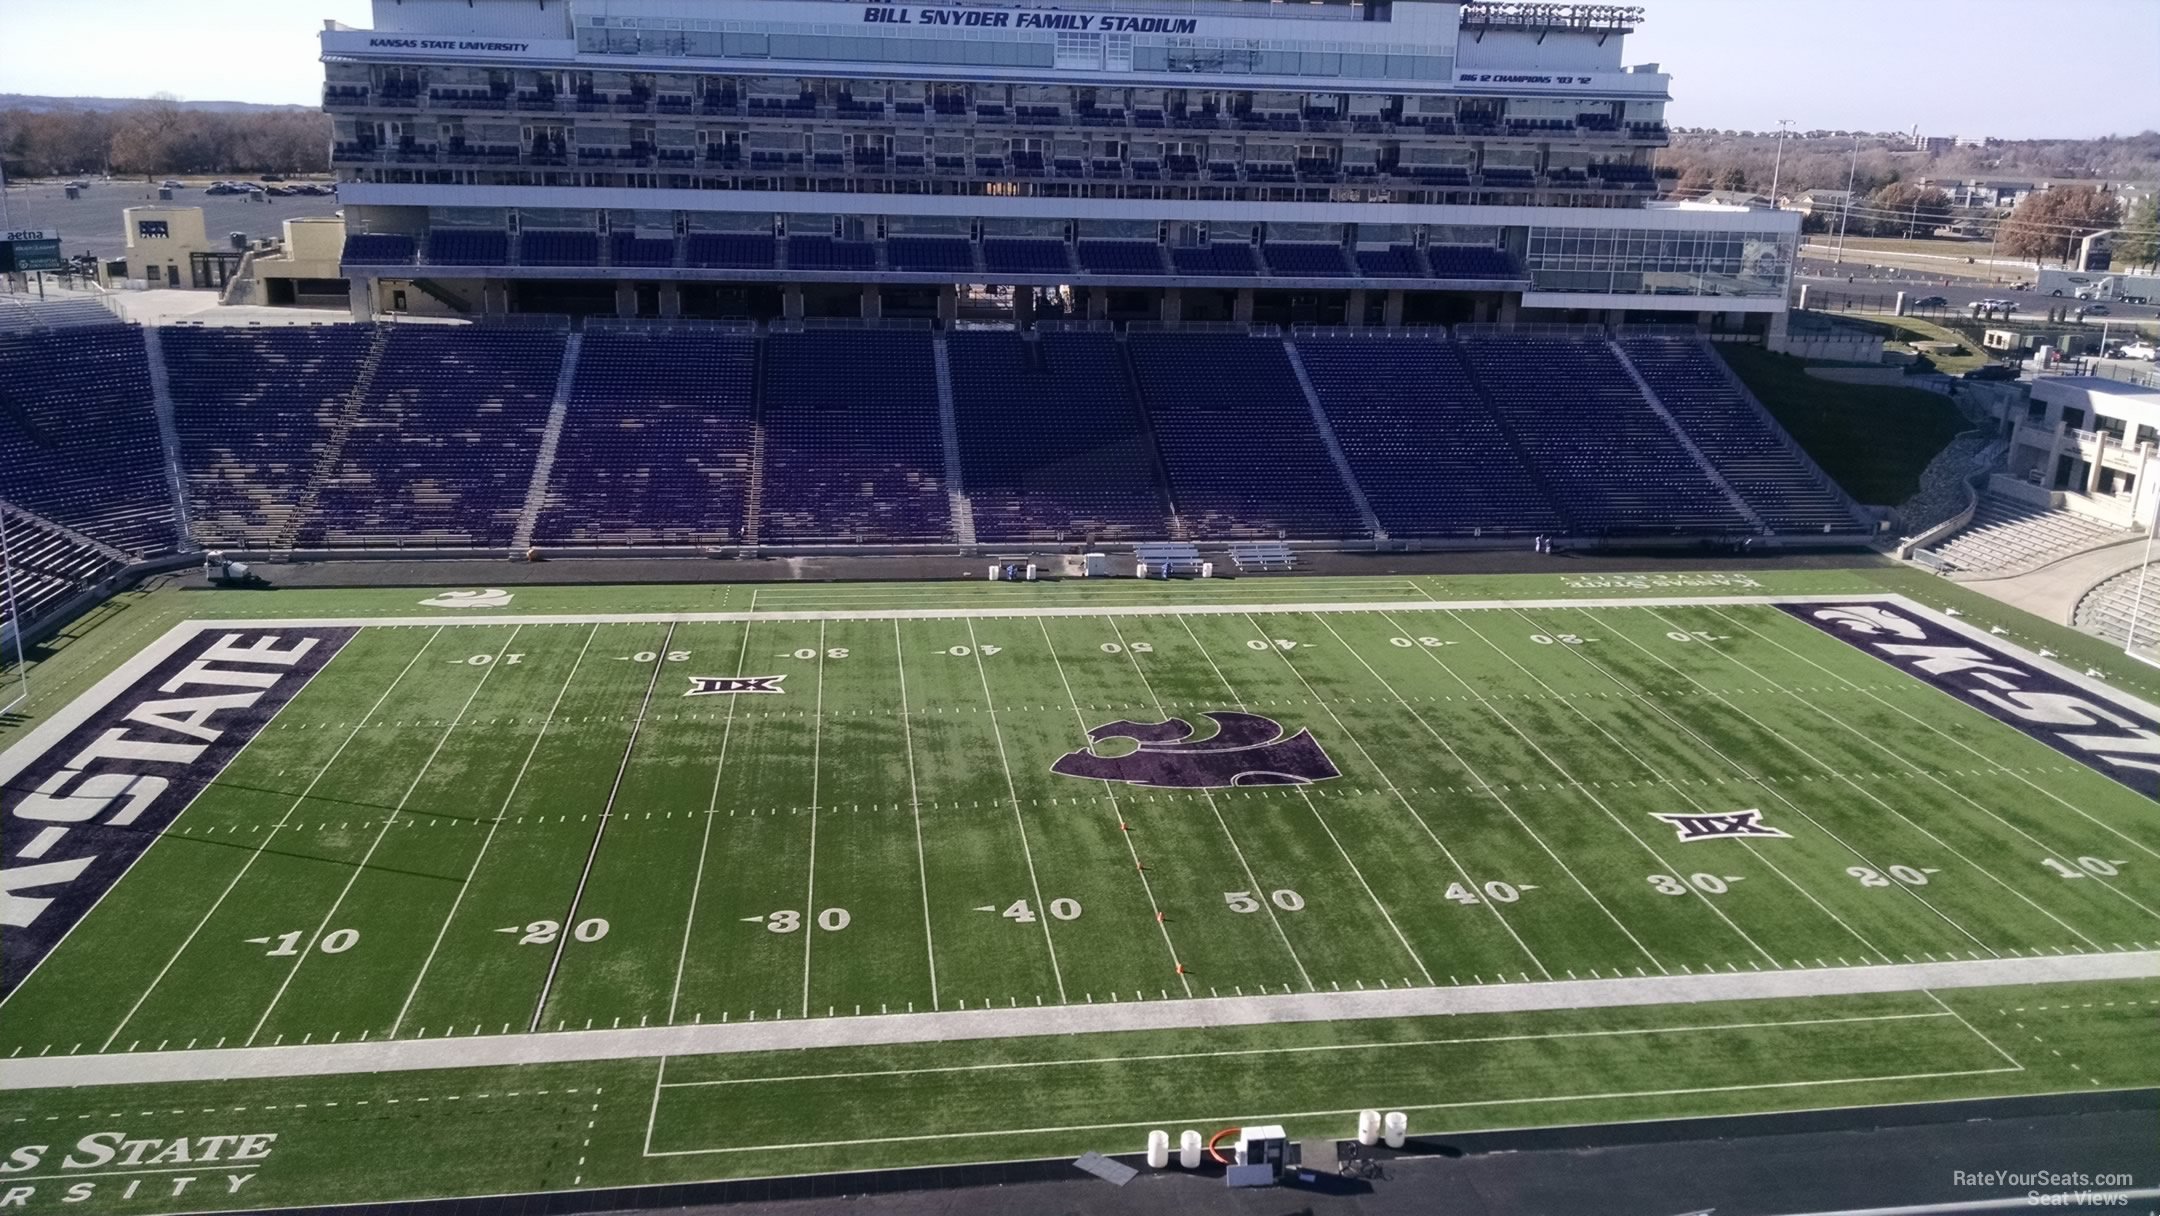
[[1748, 450], [730, 251], [1237, 438], [1052, 445], [23, 314], [1421, 441], [1120, 257], [1309, 260], [655, 446], [1471, 262], [1010, 255], [380, 249], [79, 438], [255, 409], [2006, 535], [930, 253], [442, 452], [853, 451], [1214, 261], [2124, 609], [548, 247], [468, 247], [1614, 466], [45, 565]]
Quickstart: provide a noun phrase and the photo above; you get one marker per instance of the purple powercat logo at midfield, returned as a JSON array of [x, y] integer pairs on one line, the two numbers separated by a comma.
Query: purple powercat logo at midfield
[[2098, 731], [1246, 749], [81, 811]]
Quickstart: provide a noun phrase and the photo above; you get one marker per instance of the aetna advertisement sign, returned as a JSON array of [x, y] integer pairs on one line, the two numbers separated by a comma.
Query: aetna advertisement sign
[[2098, 731], [88, 804]]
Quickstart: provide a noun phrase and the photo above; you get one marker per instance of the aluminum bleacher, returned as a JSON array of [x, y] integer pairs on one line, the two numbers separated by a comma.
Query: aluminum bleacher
[[1165, 559], [1237, 438], [853, 448], [1052, 445], [1262, 556], [254, 410], [656, 441], [1421, 440], [45, 566]]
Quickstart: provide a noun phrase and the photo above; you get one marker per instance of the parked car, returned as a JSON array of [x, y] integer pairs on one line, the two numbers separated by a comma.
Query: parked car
[[2092, 310], [171, 184], [2140, 350], [1931, 302]]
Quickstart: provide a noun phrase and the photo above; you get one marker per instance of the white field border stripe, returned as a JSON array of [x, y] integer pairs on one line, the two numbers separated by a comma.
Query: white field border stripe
[[1012, 791], [1249, 1118], [1303, 1049], [719, 1038], [255, 853]]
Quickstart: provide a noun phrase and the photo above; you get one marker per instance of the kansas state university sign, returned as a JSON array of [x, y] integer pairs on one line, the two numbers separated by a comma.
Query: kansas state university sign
[[1246, 749], [2096, 730], [79, 812]]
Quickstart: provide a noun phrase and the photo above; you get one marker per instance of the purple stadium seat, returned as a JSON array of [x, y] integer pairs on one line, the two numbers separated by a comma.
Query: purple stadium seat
[[79, 435], [853, 446]]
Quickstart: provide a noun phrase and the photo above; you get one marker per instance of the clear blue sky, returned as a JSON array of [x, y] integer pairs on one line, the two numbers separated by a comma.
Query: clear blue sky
[[2012, 68]]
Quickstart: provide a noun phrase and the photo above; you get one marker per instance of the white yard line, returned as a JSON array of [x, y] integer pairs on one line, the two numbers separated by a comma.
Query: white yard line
[[1920, 770], [711, 1038], [1982, 756], [547, 985], [1248, 1118], [390, 820], [1118, 814], [817, 749], [1676, 787], [1252, 880], [1013, 791], [1499, 798], [1584, 788], [1711, 749], [1305, 796], [922, 866], [515, 784], [1307, 1049], [1870, 795], [1976, 1031], [257, 851], [712, 811]]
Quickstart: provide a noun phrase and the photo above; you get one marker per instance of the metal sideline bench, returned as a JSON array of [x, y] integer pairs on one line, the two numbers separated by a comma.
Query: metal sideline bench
[[1163, 559], [1261, 555]]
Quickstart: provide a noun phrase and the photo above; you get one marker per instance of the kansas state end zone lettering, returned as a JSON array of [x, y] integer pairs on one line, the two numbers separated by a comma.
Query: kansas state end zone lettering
[[81, 811], [2100, 732]]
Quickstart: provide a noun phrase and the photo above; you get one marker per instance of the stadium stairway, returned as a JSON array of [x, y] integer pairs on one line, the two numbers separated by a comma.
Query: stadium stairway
[[2007, 536], [1179, 530], [2121, 610], [1329, 440], [1687, 441], [963, 511], [550, 440], [754, 492], [168, 434], [333, 452]]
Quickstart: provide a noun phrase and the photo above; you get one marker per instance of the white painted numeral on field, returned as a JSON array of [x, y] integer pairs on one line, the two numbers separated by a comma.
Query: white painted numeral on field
[[482, 660], [1909, 875], [1264, 643], [1065, 909], [783, 922], [1136, 648], [1496, 891], [338, 941], [1020, 912], [1694, 635], [1560, 639], [644, 656], [961, 652], [1708, 884], [1288, 900], [2098, 867], [787, 920], [512, 660], [833, 920], [1409, 643], [1241, 901]]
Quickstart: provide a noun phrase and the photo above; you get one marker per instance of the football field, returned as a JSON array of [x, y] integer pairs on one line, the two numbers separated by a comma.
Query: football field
[[1224, 844]]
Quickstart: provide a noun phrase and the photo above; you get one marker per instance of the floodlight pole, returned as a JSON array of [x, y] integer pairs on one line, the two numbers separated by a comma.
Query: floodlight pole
[[2137, 602], [1852, 176], [1777, 163]]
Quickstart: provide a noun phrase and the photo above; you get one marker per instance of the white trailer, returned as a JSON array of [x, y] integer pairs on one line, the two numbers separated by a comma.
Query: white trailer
[[2101, 285]]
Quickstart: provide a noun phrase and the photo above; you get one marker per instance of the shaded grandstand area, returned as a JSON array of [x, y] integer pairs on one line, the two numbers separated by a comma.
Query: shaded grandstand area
[[812, 435]]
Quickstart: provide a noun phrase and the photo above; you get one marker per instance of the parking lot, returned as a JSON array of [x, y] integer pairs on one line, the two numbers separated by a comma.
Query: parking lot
[[91, 223]]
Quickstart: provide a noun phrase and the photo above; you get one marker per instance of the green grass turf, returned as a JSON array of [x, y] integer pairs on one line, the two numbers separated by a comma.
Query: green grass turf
[[560, 1126], [1872, 440], [1492, 825]]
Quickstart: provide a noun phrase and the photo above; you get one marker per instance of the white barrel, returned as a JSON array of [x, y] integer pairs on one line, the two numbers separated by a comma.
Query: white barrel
[[994, 574], [1395, 1127], [1031, 572], [1158, 1149], [1207, 569], [1188, 1151], [1368, 1127], [1140, 571]]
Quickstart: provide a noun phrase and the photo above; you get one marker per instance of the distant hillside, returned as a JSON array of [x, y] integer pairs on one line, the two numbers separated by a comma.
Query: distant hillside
[[37, 104]]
